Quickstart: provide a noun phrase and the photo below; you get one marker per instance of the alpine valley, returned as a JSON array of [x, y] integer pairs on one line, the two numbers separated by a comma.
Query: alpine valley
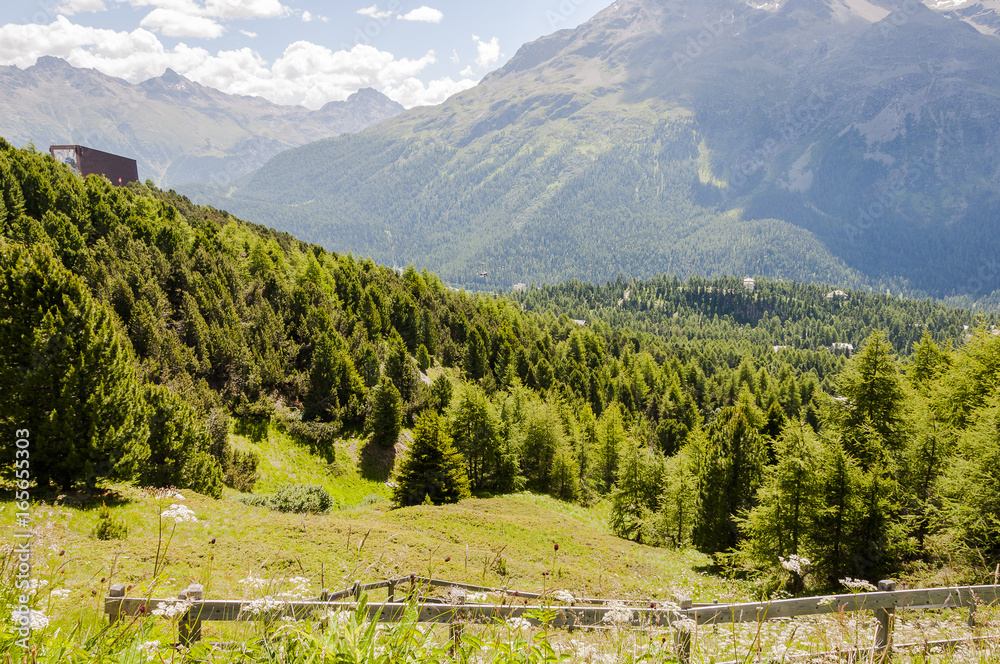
[[841, 141]]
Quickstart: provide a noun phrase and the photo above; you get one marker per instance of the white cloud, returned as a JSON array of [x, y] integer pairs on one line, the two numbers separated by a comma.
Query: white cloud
[[412, 91], [454, 56], [245, 8], [247, 33], [70, 7], [467, 72], [307, 16], [374, 12], [423, 13], [487, 52], [305, 73], [174, 23]]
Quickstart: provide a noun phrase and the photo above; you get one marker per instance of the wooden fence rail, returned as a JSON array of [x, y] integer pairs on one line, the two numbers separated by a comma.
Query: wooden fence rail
[[681, 616]]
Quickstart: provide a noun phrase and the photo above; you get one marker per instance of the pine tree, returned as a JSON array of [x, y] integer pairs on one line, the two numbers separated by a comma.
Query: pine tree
[[179, 445], [474, 363], [432, 470], [66, 373], [387, 414]]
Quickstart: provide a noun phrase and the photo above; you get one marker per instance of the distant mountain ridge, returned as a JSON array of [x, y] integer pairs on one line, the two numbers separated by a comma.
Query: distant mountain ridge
[[178, 130], [845, 141]]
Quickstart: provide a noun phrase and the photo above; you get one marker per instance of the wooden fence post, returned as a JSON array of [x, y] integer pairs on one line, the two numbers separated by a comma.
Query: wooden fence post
[[883, 631], [189, 627], [356, 590], [392, 591], [682, 636], [114, 609], [456, 622]]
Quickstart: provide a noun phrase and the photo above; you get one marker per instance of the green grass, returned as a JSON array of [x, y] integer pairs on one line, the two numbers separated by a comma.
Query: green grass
[[282, 462], [508, 540]]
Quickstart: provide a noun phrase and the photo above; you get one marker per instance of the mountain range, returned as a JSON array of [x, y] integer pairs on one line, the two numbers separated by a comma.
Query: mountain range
[[177, 130], [852, 142]]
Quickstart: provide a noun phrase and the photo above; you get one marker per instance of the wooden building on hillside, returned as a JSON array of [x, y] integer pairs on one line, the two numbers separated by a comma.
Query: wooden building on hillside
[[87, 161]]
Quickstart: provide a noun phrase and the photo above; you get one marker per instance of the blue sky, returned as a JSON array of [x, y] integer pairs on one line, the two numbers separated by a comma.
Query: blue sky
[[290, 51]]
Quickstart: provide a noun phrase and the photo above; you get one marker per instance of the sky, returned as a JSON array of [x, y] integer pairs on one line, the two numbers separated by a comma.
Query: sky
[[289, 51]]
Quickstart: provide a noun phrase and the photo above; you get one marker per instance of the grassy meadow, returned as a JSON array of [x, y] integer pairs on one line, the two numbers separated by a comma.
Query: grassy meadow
[[238, 551]]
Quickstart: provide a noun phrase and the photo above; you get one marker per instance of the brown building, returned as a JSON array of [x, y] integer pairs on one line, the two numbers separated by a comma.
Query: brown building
[[87, 161]]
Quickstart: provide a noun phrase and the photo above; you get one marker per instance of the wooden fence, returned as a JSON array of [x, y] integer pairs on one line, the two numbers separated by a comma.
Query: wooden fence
[[680, 616]]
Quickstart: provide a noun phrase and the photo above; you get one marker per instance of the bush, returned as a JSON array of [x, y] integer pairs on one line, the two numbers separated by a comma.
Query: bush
[[109, 527], [203, 473], [297, 498], [240, 469]]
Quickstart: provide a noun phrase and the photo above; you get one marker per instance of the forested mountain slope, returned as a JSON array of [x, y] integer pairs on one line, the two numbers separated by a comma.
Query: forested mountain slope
[[818, 140], [134, 325]]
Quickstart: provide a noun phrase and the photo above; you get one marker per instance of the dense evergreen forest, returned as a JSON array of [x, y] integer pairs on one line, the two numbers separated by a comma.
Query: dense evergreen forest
[[136, 329]]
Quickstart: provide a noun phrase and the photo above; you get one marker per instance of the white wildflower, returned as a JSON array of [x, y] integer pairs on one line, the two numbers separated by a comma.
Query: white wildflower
[[179, 513], [518, 623], [619, 613], [262, 605], [341, 618], [60, 593], [823, 601], [164, 493], [34, 585], [31, 618], [564, 596], [477, 598], [685, 625], [857, 585], [255, 583], [172, 609], [795, 564], [149, 649]]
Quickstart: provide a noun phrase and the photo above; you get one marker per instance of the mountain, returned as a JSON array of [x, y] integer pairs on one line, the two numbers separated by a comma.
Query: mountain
[[842, 141], [178, 130]]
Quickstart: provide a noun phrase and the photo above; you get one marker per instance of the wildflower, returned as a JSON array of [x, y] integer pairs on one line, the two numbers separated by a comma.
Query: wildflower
[[517, 623], [31, 618], [211, 541], [795, 564], [34, 585], [564, 596], [857, 585], [179, 513], [447, 559], [556, 547], [263, 605], [619, 613], [60, 593], [172, 609], [149, 649], [685, 625], [254, 583]]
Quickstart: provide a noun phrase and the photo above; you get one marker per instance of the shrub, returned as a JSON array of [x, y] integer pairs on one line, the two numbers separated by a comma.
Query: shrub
[[240, 469], [109, 527], [297, 498], [203, 474]]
